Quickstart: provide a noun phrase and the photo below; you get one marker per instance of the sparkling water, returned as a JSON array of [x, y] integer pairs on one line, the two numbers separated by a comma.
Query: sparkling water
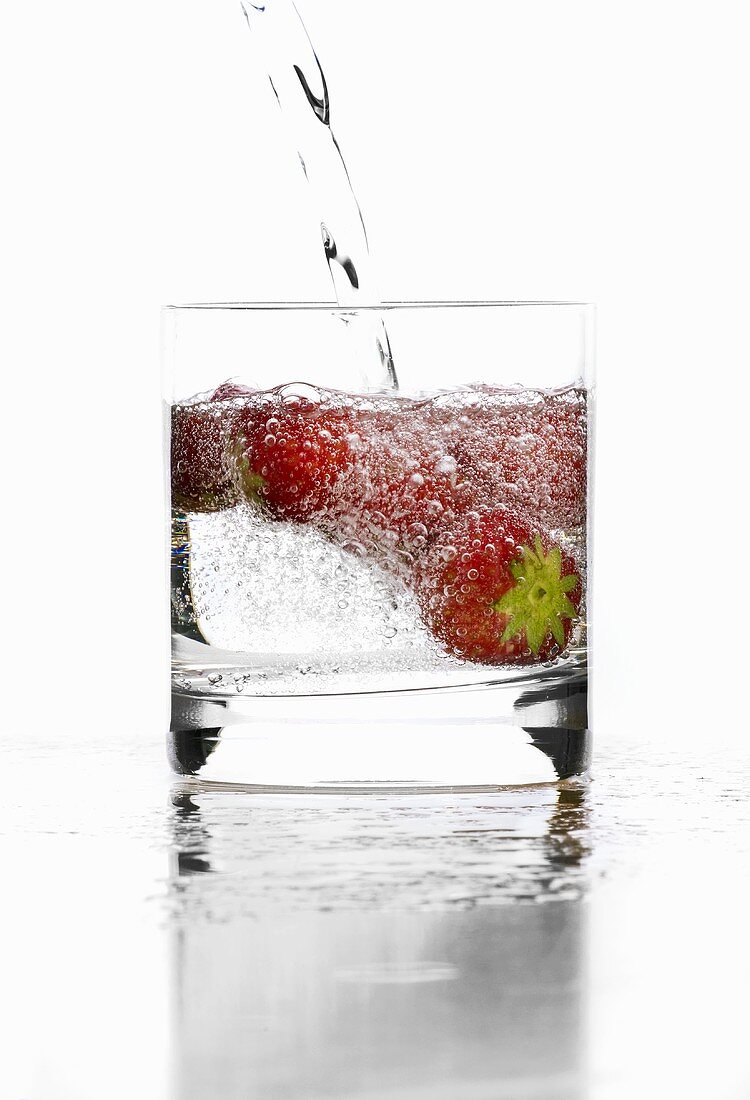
[[278, 596]]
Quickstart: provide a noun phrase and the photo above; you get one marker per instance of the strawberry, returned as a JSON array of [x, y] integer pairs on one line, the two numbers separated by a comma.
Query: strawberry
[[291, 452], [398, 489], [201, 474], [497, 591], [522, 449], [372, 478]]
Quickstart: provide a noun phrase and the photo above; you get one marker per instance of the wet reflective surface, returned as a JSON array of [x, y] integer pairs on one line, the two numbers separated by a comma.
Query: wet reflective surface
[[168, 939], [326, 852], [384, 1004]]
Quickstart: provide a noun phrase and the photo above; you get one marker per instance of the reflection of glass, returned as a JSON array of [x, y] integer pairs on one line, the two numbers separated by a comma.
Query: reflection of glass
[[379, 576], [365, 947]]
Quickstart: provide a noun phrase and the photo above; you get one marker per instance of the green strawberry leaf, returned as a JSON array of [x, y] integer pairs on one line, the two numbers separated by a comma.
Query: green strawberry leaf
[[251, 482], [537, 603]]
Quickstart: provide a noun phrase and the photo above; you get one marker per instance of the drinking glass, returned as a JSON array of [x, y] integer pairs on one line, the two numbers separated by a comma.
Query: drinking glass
[[378, 543]]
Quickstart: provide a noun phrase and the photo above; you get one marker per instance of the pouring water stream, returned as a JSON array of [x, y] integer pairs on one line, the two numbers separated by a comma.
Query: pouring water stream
[[299, 85]]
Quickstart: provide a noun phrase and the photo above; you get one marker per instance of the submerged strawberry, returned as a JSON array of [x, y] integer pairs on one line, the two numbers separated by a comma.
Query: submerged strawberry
[[497, 591], [201, 475], [290, 454], [525, 450], [400, 487], [372, 477]]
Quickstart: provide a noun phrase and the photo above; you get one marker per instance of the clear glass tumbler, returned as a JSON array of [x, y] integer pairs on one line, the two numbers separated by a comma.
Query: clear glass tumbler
[[378, 543]]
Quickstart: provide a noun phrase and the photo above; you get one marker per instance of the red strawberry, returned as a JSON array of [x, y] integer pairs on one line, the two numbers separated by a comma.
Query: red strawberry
[[523, 449], [401, 484], [201, 474], [499, 592], [372, 477], [290, 454]]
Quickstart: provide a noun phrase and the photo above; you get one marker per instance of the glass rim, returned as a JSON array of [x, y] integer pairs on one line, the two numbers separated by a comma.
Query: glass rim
[[374, 308]]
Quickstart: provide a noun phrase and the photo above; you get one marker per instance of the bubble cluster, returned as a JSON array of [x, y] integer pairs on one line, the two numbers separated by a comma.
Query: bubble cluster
[[521, 448], [299, 593], [327, 505]]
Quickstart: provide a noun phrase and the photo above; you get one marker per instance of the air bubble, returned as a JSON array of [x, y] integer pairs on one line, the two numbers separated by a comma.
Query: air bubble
[[296, 391], [446, 465]]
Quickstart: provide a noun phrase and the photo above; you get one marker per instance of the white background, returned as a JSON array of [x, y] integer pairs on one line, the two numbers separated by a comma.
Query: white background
[[584, 150]]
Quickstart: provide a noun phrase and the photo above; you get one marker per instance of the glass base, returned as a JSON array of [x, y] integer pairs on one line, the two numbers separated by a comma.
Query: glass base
[[474, 738]]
